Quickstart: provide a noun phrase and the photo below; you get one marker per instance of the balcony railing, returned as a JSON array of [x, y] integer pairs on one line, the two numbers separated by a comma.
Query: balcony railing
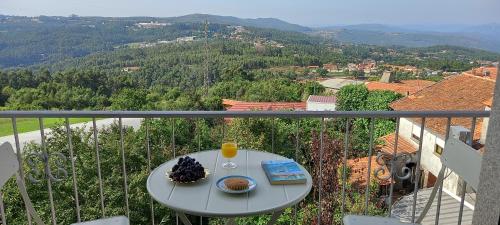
[[55, 167]]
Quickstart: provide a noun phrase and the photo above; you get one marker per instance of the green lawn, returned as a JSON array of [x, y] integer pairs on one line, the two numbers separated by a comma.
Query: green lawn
[[337, 74], [31, 124]]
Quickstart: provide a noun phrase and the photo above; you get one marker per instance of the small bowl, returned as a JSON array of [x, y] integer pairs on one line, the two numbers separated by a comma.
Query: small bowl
[[207, 172], [252, 184]]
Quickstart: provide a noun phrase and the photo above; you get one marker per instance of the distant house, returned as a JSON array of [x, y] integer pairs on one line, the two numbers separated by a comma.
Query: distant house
[[352, 67], [461, 92], [151, 25], [131, 69], [488, 72], [185, 39], [330, 67], [233, 105], [321, 103], [313, 68]]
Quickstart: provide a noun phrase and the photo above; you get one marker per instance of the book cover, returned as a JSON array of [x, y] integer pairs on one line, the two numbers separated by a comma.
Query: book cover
[[283, 172]]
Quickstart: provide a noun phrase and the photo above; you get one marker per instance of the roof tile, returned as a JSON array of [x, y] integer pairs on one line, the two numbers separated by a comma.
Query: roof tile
[[403, 87], [461, 92]]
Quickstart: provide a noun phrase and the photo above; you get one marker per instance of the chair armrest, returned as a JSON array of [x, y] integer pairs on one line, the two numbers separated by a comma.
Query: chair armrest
[[432, 195], [29, 206]]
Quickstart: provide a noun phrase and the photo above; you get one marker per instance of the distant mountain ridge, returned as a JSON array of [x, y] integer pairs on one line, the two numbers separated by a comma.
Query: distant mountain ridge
[[271, 23], [485, 37]]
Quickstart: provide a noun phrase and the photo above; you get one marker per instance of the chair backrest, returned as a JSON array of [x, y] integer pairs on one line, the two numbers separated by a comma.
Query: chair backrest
[[8, 163], [463, 160], [9, 167]]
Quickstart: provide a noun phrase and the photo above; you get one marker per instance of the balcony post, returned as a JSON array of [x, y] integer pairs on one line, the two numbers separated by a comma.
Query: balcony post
[[487, 209]]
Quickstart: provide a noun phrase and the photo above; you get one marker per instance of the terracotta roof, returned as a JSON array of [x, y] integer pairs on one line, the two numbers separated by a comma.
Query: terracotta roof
[[322, 99], [230, 102], [488, 102], [404, 146], [403, 87], [461, 92], [329, 66], [266, 106], [359, 170]]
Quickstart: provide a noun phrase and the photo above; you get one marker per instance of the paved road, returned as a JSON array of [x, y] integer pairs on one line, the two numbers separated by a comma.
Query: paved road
[[34, 136]]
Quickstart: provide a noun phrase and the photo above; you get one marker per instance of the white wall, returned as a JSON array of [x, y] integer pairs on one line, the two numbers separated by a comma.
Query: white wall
[[316, 106], [429, 161]]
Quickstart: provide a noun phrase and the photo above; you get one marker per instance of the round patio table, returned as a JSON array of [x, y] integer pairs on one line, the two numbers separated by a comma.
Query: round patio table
[[204, 199]]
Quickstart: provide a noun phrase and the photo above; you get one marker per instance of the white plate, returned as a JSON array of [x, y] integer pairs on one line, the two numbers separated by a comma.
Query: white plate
[[252, 184]]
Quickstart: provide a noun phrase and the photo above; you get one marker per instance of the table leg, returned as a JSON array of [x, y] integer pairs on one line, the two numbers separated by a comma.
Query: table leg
[[276, 215], [184, 218]]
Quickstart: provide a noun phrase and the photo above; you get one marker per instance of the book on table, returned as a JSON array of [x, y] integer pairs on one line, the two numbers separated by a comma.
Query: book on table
[[283, 172]]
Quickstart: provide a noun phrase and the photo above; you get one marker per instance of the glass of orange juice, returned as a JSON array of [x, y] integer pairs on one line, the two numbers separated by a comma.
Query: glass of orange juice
[[229, 150]]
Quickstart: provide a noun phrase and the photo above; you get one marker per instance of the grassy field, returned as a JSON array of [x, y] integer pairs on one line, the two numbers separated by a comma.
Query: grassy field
[[31, 124], [338, 74]]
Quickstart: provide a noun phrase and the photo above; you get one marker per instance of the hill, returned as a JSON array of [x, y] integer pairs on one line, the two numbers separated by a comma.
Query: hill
[[259, 22], [483, 37]]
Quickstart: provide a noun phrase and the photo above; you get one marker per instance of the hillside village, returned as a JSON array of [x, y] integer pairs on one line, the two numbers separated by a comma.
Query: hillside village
[[471, 91]]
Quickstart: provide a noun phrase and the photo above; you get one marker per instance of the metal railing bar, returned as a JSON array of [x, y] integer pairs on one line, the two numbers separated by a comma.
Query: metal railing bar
[[98, 161], [297, 146], [368, 175], [394, 154], [20, 160], [124, 168], [344, 166], [320, 182], [47, 171], [464, 187], [199, 134], [223, 131], [73, 170], [417, 177], [148, 148], [243, 114], [273, 120], [172, 143], [440, 190], [2, 210]]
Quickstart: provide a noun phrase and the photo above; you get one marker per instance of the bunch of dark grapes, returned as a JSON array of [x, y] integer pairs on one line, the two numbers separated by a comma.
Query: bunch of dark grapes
[[187, 169]]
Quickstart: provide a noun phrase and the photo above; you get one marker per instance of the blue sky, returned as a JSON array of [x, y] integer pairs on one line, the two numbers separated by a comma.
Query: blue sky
[[305, 12]]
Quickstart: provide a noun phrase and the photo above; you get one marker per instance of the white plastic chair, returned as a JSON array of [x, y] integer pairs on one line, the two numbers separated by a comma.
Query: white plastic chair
[[9, 166], [454, 156]]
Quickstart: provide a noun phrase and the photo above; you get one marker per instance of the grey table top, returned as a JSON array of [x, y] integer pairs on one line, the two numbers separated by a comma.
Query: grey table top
[[204, 199]]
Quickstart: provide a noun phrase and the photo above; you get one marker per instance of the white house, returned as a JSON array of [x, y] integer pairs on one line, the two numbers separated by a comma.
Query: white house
[[321, 103], [462, 92]]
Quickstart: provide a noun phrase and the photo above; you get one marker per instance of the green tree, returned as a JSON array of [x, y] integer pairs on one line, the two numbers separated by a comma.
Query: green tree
[[358, 98], [129, 99]]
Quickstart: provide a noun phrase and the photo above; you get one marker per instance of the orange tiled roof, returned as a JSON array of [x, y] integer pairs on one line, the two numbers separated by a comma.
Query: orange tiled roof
[[461, 92], [403, 87], [265, 106], [322, 99], [488, 102], [230, 102], [404, 146], [359, 170]]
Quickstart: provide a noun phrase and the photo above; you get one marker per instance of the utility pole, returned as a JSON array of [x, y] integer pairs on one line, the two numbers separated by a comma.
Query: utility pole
[[207, 80]]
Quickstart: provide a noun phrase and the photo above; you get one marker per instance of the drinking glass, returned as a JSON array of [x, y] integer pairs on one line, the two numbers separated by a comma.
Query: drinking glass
[[229, 150]]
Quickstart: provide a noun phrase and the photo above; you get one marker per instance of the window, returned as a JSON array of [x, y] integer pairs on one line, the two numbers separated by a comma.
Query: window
[[415, 137], [415, 134], [438, 150]]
